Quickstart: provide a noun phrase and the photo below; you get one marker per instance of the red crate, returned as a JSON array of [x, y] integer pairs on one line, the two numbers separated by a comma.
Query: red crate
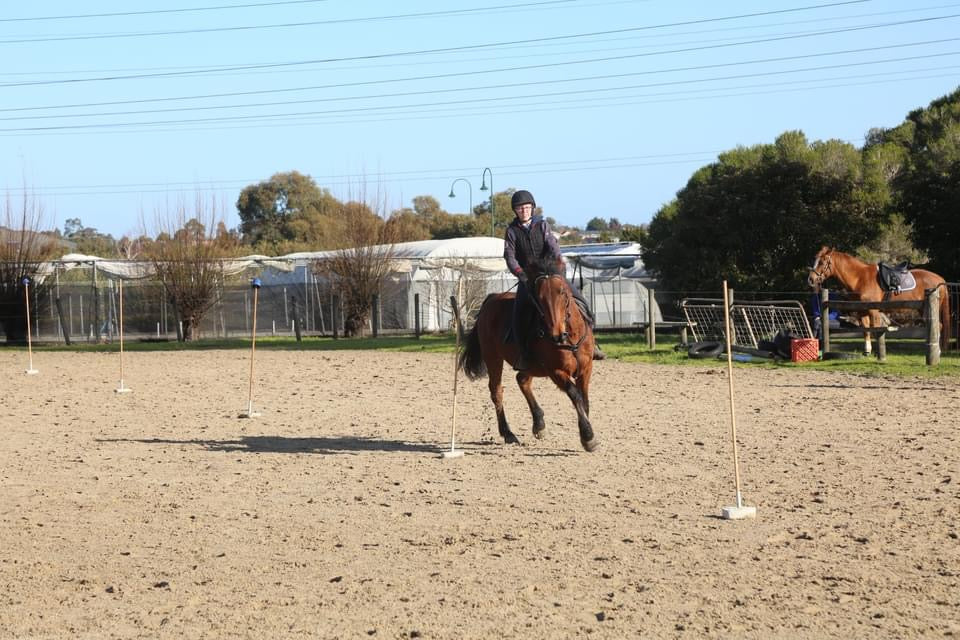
[[804, 350]]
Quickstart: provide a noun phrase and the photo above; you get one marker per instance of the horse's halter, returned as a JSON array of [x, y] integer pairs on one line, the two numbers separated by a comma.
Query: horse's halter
[[822, 269]]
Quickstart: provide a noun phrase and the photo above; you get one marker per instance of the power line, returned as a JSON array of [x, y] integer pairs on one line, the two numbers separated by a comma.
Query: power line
[[160, 11], [311, 23], [502, 86], [505, 69]]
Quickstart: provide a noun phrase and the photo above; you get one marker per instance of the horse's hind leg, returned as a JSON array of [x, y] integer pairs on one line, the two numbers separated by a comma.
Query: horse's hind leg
[[495, 374], [525, 381]]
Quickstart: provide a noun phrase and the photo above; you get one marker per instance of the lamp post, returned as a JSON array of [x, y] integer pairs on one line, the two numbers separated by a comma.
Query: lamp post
[[453, 195], [493, 209]]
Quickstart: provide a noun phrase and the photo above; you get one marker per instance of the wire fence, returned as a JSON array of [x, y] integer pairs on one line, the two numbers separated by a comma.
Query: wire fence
[[85, 307]]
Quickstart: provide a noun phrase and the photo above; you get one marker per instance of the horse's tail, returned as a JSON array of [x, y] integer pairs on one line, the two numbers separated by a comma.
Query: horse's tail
[[471, 358]]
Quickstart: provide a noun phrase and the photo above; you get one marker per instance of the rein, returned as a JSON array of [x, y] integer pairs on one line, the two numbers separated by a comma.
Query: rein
[[563, 340]]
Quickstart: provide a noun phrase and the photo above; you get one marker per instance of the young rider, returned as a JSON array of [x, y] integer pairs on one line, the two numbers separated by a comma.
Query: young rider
[[527, 239]]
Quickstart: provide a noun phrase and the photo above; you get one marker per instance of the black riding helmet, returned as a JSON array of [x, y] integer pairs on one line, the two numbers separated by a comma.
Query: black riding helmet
[[522, 197]]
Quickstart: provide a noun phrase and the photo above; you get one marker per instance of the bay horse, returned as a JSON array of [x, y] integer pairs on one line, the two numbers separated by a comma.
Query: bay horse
[[561, 348], [863, 280]]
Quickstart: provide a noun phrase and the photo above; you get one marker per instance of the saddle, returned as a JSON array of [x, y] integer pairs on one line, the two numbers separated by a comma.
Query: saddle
[[895, 278]]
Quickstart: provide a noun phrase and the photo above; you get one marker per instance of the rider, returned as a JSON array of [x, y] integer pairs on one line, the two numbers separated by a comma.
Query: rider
[[528, 238]]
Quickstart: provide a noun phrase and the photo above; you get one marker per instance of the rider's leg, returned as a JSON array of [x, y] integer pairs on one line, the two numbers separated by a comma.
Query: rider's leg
[[520, 322], [587, 314]]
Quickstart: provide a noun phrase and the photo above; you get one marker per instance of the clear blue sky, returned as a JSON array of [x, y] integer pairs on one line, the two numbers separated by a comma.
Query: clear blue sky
[[600, 108]]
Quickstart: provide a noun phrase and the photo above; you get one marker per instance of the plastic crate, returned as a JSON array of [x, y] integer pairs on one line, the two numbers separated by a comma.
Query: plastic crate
[[804, 350]]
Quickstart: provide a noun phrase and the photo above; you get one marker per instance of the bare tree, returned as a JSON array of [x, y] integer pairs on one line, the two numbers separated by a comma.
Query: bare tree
[[23, 248], [188, 260], [365, 250]]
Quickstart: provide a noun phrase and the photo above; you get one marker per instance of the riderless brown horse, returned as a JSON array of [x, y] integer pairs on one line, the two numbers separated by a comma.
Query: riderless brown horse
[[561, 348], [863, 279]]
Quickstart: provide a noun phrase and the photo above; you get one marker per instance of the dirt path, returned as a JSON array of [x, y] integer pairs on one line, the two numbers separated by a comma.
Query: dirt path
[[160, 514]]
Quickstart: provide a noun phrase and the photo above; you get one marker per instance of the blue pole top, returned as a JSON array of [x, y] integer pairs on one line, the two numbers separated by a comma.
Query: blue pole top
[[26, 281], [255, 283]]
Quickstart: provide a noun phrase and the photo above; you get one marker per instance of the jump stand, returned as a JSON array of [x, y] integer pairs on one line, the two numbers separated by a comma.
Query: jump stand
[[739, 512], [26, 294], [250, 413]]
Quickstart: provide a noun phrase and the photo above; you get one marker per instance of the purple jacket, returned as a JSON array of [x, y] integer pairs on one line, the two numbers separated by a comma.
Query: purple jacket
[[521, 246]]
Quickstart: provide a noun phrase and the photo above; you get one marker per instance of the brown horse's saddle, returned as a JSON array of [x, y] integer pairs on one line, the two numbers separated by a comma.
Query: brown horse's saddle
[[896, 278]]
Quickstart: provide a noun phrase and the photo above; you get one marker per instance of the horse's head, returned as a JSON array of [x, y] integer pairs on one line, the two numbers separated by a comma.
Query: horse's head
[[551, 296], [822, 268]]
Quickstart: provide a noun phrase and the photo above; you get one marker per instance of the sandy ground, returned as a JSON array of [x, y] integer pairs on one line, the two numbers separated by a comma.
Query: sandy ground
[[160, 514]]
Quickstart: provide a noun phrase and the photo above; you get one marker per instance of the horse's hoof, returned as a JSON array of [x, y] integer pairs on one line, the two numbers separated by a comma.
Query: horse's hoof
[[590, 445], [538, 433], [511, 439]]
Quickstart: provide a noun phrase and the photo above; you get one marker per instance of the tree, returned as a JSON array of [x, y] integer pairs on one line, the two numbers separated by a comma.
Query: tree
[[23, 247], [758, 215], [188, 261], [287, 208], [362, 260], [597, 224], [926, 178], [88, 240]]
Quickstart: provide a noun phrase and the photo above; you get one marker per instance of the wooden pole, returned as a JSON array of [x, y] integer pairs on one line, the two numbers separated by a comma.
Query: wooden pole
[[733, 414], [651, 327], [825, 319], [933, 325], [255, 283], [26, 297], [121, 388], [453, 452]]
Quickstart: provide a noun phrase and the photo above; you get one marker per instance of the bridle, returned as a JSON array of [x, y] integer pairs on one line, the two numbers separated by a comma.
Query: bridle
[[562, 339], [822, 269]]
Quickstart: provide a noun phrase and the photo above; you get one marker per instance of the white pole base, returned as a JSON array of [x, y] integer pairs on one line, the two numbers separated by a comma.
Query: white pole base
[[249, 414], [739, 513], [452, 453], [32, 372], [122, 389]]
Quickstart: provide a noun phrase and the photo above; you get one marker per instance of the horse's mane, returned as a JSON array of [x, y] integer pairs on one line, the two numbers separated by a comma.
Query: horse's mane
[[545, 267]]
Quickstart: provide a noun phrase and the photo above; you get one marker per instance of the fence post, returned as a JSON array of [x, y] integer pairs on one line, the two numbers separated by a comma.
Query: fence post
[[63, 323], [416, 315], [297, 329], [335, 321], [375, 315], [933, 325], [825, 319], [651, 327]]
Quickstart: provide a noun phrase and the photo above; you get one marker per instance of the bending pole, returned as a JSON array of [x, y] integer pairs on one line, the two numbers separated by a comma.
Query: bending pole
[[121, 388], [26, 297], [454, 453], [255, 284], [738, 512]]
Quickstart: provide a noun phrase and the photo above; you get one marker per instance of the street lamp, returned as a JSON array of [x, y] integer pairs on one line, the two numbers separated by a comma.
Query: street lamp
[[453, 195], [483, 187]]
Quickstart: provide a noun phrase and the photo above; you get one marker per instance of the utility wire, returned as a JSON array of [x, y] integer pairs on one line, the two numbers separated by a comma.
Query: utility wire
[[287, 25], [160, 11], [503, 69], [487, 88]]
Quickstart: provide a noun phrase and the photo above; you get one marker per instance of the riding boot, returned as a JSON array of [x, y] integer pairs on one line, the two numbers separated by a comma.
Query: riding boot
[[597, 353]]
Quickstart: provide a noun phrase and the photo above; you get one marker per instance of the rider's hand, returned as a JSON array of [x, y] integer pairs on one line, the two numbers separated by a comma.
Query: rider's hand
[[522, 277]]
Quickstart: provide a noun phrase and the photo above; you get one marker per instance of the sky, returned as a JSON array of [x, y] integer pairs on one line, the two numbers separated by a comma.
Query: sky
[[115, 112]]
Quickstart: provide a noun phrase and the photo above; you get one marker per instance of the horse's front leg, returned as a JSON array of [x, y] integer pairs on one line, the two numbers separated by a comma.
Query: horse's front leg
[[566, 383], [525, 381], [495, 375]]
